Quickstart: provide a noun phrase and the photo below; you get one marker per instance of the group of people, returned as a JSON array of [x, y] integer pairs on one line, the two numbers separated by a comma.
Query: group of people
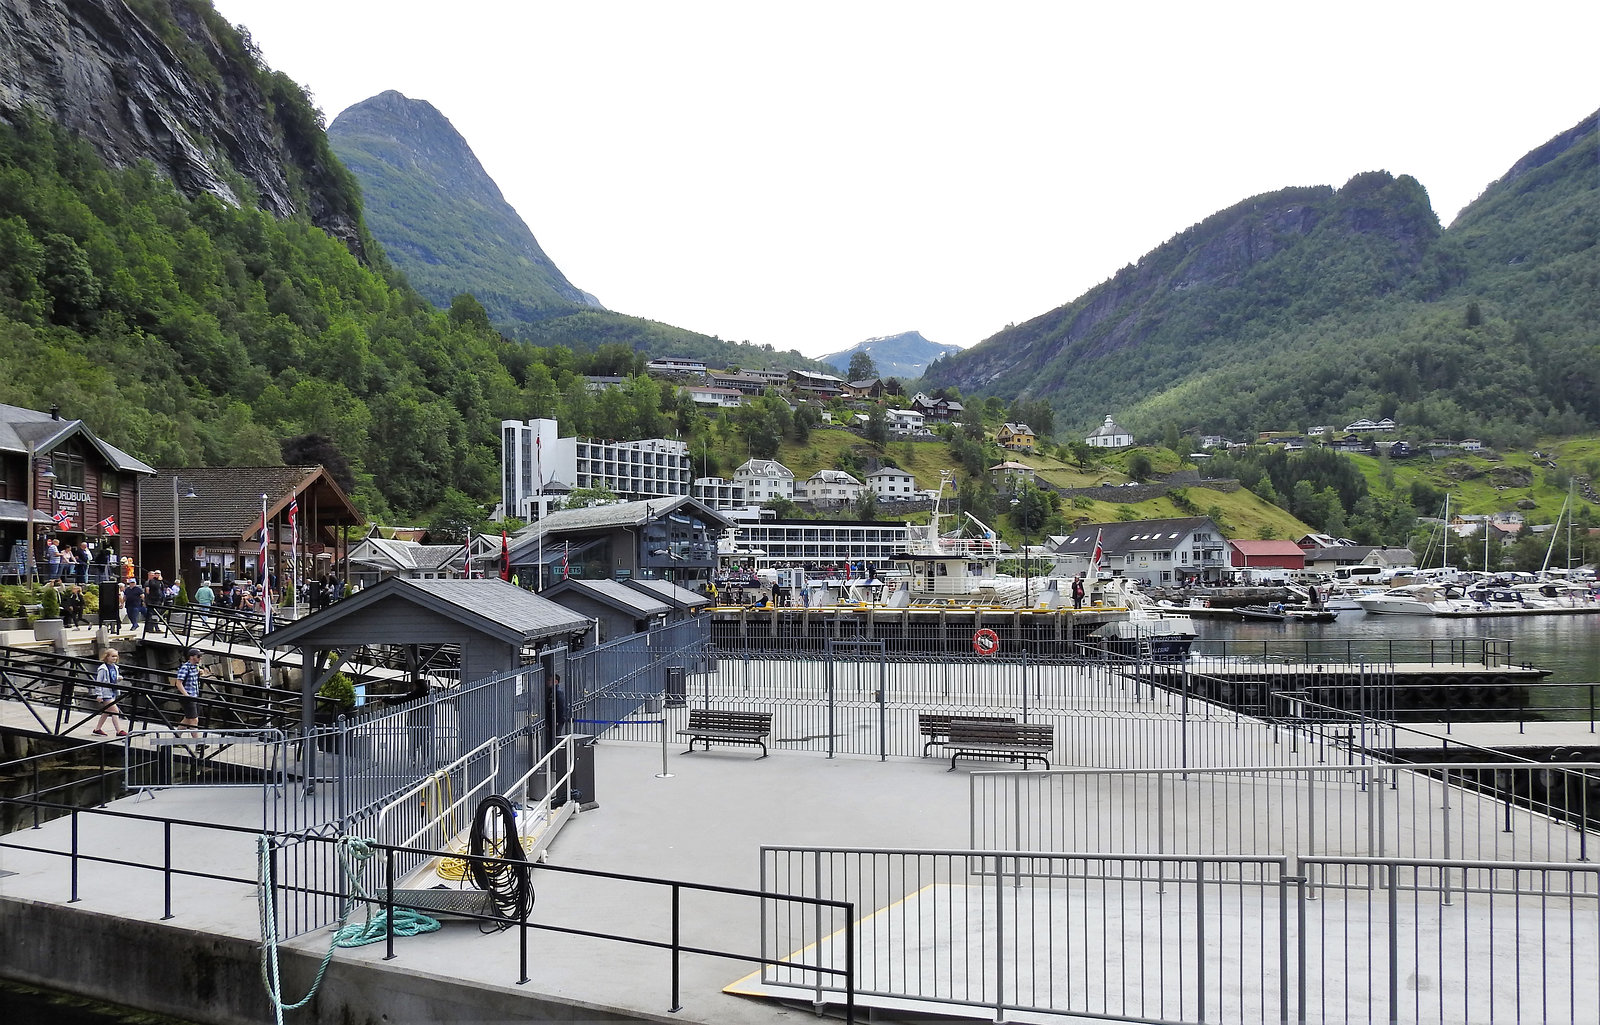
[[77, 563]]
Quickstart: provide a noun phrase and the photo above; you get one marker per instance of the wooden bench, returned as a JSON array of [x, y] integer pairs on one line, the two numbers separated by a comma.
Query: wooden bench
[[936, 726], [1013, 741], [727, 727]]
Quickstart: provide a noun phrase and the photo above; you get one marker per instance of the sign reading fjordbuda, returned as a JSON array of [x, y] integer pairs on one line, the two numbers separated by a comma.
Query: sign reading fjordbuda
[[69, 495]]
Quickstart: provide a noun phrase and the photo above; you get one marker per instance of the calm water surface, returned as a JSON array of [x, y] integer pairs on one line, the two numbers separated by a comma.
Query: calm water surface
[[1568, 646]]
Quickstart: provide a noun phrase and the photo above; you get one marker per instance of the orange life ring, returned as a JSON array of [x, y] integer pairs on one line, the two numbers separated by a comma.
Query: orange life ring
[[986, 642]]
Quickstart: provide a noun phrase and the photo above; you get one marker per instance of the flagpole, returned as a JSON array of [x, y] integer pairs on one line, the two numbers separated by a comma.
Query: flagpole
[[294, 558], [266, 601], [538, 503]]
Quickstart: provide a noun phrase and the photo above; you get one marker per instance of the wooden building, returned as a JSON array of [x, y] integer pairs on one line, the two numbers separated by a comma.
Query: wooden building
[[74, 488]]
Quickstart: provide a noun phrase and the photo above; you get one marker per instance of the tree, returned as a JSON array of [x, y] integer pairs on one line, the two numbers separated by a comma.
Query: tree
[[866, 505], [878, 428], [583, 498], [862, 368], [319, 450], [1139, 467], [455, 518]]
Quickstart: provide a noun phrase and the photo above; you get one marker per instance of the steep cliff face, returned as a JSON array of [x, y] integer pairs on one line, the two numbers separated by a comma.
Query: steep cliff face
[[170, 82], [441, 218], [1293, 254]]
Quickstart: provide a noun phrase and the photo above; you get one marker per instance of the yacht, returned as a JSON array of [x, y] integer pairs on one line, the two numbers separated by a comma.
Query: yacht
[[1427, 599]]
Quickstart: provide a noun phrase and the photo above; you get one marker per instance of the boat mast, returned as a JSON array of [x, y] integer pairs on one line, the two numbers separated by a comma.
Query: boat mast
[[1555, 532]]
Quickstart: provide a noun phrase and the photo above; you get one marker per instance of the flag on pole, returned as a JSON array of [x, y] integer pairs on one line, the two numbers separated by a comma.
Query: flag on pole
[[505, 556], [63, 520], [109, 525], [1099, 553], [294, 553], [466, 558], [266, 597], [564, 566]]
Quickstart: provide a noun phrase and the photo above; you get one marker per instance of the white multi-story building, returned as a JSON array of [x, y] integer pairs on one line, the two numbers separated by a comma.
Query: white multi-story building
[[533, 455], [718, 493], [821, 543], [764, 480], [828, 486], [893, 485]]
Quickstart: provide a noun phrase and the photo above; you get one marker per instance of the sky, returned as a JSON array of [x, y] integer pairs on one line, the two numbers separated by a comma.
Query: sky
[[810, 175]]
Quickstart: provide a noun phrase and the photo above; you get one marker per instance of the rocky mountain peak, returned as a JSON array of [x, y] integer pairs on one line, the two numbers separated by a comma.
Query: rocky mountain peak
[[181, 88]]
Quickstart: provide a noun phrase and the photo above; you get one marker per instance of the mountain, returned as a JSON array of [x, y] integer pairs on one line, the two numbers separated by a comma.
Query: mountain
[[171, 82], [1319, 305], [443, 221], [439, 215], [904, 355]]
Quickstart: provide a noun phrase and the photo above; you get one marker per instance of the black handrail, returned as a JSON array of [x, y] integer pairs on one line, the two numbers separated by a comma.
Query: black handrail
[[169, 870]]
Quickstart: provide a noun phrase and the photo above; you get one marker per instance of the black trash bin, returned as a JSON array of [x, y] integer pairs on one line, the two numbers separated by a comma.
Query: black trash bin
[[677, 687]]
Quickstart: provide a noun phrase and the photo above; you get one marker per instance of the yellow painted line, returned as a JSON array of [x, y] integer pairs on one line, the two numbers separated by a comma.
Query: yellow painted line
[[735, 986]]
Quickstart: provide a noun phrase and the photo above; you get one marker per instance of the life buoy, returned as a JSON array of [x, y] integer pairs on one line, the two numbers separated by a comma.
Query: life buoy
[[985, 642]]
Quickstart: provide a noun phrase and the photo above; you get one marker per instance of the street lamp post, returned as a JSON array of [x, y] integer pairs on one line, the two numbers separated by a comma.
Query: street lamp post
[[1022, 518], [177, 531], [33, 556]]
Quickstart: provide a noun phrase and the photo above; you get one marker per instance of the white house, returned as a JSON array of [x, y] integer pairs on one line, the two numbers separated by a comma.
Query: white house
[[1109, 435], [719, 398], [1154, 552], [764, 480], [829, 486], [904, 421], [1366, 426], [891, 484]]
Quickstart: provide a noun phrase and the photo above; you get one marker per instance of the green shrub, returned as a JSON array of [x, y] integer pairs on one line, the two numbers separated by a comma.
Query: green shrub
[[339, 690], [51, 602]]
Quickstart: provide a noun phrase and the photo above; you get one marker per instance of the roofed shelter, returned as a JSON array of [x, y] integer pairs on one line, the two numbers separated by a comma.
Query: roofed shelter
[[496, 625], [620, 610], [219, 509]]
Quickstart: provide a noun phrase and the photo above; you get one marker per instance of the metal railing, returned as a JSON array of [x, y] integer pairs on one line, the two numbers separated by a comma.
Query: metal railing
[[870, 705], [160, 845], [1175, 938], [1485, 811]]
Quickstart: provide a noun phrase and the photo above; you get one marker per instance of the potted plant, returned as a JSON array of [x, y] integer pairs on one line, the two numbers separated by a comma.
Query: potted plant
[[337, 697], [49, 625]]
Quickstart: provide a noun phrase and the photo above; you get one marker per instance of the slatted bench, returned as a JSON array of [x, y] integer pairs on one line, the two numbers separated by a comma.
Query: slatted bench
[[727, 727], [936, 726], [1013, 741]]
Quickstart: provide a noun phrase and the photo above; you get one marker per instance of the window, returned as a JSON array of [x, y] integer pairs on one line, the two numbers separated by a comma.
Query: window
[[110, 483], [69, 470]]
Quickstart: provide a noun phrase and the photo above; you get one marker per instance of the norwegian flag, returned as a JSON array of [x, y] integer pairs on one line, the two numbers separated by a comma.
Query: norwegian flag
[[294, 511], [109, 525], [505, 556], [1099, 553], [564, 567], [263, 556], [63, 520]]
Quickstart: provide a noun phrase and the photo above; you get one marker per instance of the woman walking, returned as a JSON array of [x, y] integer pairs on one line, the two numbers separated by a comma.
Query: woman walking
[[107, 679]]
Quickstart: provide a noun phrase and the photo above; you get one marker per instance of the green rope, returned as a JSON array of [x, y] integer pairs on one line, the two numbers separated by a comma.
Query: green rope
[[352, 850], [407, 922]]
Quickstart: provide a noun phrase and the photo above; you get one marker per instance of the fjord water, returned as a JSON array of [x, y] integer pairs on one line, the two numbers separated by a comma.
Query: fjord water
[[1567, 646]]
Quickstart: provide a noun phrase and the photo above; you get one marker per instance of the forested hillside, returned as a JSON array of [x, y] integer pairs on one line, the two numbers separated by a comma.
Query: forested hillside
[[1312, 306]]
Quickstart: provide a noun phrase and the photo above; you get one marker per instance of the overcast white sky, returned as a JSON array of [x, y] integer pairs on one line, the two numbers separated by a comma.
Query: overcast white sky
[[811, 175]]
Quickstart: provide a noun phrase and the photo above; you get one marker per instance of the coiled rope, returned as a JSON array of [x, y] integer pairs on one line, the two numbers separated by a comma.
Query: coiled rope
[[352, 851]]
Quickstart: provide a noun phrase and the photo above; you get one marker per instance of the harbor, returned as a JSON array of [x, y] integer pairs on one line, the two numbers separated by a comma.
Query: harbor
[[1225, 812]]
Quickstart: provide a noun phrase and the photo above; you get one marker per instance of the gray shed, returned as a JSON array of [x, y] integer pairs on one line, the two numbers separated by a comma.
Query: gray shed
[[685, 603], [620, 609], [493, 622]]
